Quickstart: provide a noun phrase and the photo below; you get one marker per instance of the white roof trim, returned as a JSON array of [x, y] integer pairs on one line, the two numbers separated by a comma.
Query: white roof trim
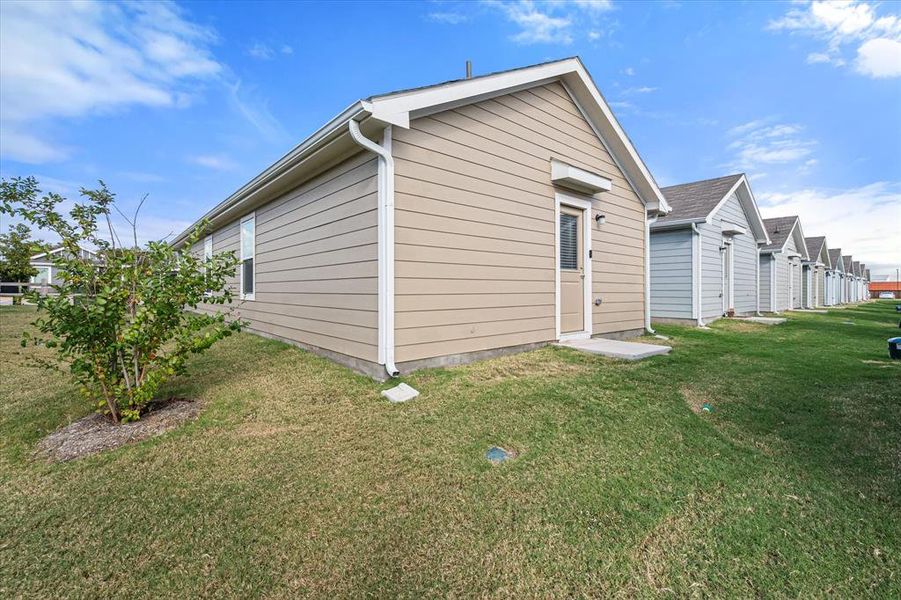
[[578, 179], [401, 107], [749, 205], [60, 249]]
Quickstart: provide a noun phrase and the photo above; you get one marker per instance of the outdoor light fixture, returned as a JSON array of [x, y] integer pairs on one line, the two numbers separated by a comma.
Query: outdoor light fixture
[[600, 218]]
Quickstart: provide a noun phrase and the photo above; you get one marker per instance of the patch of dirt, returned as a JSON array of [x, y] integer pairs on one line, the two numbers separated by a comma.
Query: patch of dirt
[[695, 400], [740, 325], [533, 364], [97, 433], [882, 363]]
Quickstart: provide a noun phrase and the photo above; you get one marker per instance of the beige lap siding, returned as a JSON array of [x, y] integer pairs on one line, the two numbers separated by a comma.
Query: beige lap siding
[[317, 261], [475, 226]]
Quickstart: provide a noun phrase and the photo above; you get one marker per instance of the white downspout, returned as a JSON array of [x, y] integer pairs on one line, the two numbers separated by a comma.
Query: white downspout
[[757, 287], [386, 241], [773, 283], [700, 262], [648, 221]]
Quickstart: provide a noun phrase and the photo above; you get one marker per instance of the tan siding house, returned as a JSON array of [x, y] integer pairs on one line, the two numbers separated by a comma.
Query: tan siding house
[[444, 224]]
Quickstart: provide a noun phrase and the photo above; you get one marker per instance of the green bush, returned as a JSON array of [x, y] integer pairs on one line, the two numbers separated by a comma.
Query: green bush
[[126, 321]]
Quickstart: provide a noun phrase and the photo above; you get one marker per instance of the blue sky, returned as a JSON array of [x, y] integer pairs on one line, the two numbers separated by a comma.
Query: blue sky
[[186, 102]]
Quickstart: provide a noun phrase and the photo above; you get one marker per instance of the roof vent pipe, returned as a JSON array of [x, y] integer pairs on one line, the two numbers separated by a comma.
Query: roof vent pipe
[[468, 69]]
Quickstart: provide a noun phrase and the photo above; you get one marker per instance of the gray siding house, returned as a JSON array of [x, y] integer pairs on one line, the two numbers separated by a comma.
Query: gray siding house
[[447, 223], [781, 281], [848, 264], [835, 281], [47, 273], [815, 268], [704, 252]]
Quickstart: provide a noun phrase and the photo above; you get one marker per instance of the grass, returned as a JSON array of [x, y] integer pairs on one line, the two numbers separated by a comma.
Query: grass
[[298, 480]]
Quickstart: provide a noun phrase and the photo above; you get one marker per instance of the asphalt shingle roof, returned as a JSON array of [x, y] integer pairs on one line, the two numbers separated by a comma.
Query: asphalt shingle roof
[[697, 199], [846, 260], [778, 229], [814, 244], [835, 256]]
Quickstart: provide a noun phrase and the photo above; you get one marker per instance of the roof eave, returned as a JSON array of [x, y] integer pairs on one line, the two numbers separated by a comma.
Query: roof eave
[[282, 166]]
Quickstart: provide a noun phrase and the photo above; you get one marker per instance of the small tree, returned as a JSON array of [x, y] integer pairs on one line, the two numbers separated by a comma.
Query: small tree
[[127, 321], [16, 249]]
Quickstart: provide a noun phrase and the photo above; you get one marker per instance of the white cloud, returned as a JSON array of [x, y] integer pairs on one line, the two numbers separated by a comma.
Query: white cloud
[[75, 59], [762, 142], [552, 21], [216, 162], [861, 221], [879, 58], [262, 51], [640, 90], [450, 18], [629, 71], [848, 23]]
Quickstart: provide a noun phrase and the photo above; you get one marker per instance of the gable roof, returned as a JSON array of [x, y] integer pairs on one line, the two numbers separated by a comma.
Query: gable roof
[[855, 267], [847, 263], [779, 230], [835, 257], [698, 201], [815, 247], [333, 141]]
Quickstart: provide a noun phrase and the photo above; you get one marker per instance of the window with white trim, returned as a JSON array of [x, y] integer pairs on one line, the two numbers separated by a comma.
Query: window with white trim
[[207, 256], [569, 241], [248, 250]]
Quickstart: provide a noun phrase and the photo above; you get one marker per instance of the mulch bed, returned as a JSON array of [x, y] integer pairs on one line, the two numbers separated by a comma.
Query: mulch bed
[[97, 433]]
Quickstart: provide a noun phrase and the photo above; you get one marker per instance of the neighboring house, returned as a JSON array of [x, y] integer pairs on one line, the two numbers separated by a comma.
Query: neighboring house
[[781, 265], [836, 292], [447, 223], [877, 288], [815, 268], [47, 273], [848, 263], [704, 252]]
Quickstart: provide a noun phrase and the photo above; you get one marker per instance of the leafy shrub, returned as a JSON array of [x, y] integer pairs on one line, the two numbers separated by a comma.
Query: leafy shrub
[[125, 321]]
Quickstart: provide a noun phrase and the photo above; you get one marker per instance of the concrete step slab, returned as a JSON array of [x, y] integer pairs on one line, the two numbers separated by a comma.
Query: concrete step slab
[[766, 320], [616, 348]]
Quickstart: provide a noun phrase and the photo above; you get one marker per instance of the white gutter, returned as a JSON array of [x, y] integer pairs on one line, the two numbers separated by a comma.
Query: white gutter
[[647, 271], [386, 241], [700, 263]]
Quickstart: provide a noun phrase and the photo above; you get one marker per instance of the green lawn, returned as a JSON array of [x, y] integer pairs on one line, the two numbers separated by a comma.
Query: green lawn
[[298, 479]]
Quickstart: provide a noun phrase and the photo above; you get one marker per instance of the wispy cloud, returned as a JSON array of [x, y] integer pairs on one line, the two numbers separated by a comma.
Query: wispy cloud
[[262, 51], [553, 21], [862, 220], [840, 24], [639, 90], [448, 17], [215, 162], [76, 59], [764, 142], [62, 61]]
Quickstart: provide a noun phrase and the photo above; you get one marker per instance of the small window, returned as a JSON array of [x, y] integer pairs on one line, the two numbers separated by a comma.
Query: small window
[[569, 241], [248, 249]]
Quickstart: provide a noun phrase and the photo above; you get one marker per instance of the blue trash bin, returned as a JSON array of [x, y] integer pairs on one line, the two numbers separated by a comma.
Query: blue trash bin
[[894, 347]]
